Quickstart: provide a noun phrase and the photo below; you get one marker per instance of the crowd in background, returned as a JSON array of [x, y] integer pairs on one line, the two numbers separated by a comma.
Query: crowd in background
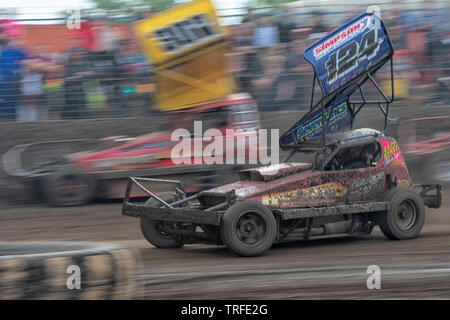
[[270, 63], [104, 75], [97, 76]]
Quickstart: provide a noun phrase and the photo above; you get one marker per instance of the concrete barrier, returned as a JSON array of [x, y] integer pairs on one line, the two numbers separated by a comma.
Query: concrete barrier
[[68, 270], [13, 133]]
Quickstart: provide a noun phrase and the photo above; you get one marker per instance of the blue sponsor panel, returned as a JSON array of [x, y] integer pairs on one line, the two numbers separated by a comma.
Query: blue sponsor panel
[[349, 51], [310, 127]]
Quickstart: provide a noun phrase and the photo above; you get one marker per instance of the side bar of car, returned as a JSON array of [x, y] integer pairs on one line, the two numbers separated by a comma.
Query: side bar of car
[[172, 211]]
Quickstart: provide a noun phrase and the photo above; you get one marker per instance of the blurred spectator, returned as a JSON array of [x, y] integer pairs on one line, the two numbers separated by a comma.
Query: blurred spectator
[[250, 64], [432, 20], [103, 57], [32, 103], [248, 17], [266, 33], [131, 66], [266, 85], [286, 26], [443, 82], [444, 21], [106, 76], [78, 70], [53, 80], [417, 24], [45, 52], [317, 23], [11, 58], [35, 69], [299, 72], [394, 23], [105, 37]]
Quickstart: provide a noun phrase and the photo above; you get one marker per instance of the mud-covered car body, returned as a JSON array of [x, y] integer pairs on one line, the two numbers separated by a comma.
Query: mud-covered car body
[[324, 183], [357, 180], [306, 199]]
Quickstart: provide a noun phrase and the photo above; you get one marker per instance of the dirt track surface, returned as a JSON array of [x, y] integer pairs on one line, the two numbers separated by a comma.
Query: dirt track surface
[[317, 269]]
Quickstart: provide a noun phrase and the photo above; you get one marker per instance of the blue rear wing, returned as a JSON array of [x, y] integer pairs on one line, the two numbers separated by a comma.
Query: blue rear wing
[[342, 61], [350, 51]]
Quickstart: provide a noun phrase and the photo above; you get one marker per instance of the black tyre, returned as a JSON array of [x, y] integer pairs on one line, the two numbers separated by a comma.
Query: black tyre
[[405, 217], [248, 228], [69, 186], [153, 230]]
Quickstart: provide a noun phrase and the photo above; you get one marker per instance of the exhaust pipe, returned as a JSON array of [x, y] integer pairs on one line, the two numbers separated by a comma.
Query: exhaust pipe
[[340, 227], [337, 227]]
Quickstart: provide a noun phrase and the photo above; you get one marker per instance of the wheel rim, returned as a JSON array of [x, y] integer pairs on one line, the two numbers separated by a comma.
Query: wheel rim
[[250, 228], [159, 227], [406, 215], [69, 186]]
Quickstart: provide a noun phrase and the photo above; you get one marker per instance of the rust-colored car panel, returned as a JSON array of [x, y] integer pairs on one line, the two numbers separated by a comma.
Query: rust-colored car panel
[[298, 185]]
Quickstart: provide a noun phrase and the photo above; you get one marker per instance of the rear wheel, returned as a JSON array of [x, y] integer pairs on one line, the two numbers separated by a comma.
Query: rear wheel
[[154, 231], [405, 217], [69, 186], [248, 228]]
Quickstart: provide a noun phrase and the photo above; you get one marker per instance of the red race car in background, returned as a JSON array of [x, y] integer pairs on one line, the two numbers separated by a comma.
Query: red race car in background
[[77, 178], [426, 143], [193, 83]]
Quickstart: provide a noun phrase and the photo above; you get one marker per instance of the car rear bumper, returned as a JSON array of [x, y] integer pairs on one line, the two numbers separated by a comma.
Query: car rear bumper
[[431, 194]]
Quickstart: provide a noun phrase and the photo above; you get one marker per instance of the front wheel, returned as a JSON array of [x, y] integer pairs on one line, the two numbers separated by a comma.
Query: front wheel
[[248, 228], [405, 217], [153, 231]]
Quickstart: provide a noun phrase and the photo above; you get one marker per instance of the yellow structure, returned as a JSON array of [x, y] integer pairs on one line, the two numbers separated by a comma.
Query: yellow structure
[[187, 48], [401, 87]]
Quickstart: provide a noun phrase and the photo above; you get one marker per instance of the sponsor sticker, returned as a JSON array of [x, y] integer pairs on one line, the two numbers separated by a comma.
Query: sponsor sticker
[[329, 44], [275, 199], [392, 155], [324, 191], [339, 112]]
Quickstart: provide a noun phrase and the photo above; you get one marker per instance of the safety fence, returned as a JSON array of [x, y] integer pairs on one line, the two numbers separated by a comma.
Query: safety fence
[[53, 75]]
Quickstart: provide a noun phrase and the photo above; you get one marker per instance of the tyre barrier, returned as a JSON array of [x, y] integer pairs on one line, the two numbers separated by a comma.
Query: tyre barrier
[[67, 270]]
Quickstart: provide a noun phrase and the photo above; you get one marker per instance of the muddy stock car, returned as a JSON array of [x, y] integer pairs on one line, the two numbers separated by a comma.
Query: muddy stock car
[[358, 179]]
